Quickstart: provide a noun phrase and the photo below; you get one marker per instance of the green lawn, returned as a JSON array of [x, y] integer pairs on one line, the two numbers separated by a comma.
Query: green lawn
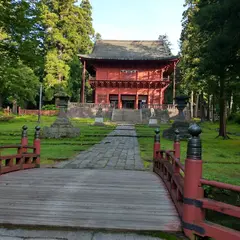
[[53, 150], [221, 157]]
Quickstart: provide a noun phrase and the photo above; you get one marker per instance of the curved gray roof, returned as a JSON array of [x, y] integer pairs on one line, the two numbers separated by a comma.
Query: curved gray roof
[[130, 50]]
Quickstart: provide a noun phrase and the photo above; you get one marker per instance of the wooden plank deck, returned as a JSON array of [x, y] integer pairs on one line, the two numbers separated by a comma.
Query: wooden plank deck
[[87, 199]]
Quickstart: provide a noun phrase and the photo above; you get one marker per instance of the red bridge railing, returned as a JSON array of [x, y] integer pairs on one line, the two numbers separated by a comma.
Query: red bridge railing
[[185, 185], [23, 159]]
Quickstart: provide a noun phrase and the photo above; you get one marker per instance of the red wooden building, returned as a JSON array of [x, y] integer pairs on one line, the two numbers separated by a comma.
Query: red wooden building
[[129, 73]]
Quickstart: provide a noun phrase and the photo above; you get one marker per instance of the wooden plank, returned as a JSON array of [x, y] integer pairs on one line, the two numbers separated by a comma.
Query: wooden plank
[[82, 198]]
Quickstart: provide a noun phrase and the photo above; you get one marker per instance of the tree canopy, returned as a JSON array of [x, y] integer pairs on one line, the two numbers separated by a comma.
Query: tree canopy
[[39, 42]]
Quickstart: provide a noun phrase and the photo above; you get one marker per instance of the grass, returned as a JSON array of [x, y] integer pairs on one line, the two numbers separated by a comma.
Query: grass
[[221, 157], [53, 150]]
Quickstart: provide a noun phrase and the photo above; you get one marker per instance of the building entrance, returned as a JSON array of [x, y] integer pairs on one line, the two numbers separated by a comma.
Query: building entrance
[[113, 99], [128, 101], [128, 104]]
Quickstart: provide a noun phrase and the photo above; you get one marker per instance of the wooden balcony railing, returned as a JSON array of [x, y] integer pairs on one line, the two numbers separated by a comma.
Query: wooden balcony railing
[[185, 185]]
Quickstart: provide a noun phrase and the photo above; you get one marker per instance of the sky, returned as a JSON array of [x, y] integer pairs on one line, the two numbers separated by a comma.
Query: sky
[[138, 19]]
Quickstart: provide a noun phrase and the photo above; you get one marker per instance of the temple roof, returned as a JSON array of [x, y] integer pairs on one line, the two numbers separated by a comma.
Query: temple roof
[[130, 50]]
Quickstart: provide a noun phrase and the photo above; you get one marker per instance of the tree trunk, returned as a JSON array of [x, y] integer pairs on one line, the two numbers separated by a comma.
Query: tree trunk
[[222, 105], [191, 104], [230, 105], [14, 108], [208, 107], [202, 110], [1, 101], [213, 108], [196, 106]]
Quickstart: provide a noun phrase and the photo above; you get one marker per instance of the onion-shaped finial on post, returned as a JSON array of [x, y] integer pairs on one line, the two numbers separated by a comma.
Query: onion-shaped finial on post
[[177, 136], [37, 132], [194, 148], [157, 135], [24, 131]]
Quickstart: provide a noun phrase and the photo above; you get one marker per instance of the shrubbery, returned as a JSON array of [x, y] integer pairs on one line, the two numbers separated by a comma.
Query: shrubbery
[[4, 117], [235, 117], [49, 107]]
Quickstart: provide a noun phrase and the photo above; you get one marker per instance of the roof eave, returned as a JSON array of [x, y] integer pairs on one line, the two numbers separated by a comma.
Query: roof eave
[[89, 57]]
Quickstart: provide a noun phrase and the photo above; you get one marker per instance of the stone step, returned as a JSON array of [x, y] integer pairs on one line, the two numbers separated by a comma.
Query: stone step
[[127, 115]]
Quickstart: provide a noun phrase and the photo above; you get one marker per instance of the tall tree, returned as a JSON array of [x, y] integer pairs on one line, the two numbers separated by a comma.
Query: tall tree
[[210, 49], [68, 31], [20, 50], [165, 39]]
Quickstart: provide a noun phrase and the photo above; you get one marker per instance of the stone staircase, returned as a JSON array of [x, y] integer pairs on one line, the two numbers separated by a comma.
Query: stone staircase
[[126, 115]]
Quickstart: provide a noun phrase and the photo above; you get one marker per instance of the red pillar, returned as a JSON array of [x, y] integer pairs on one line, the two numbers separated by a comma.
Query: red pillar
[[83, 83], [162, 96], [24, 142], [119, 100], [174, 82], [95, 96], [156, 146], [193, 215], [136, 102]]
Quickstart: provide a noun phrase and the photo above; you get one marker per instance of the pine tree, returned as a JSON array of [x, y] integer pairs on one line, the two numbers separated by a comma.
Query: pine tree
[[210, 51], [68, 29]]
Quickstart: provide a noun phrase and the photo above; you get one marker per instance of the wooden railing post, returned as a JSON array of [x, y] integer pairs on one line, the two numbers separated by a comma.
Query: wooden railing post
[[156, 147], [192, 212], [176, 148], [24, 140], [22, 149], [37, 145]]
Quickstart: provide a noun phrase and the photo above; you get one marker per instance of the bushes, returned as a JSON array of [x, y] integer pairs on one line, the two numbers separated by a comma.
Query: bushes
[[4, 117], [235, 117], [49, 107]]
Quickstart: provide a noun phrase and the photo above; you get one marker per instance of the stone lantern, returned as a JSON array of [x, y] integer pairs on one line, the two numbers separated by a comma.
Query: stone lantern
[[181, 102], [180, 122], [62, 103], [62, 127]]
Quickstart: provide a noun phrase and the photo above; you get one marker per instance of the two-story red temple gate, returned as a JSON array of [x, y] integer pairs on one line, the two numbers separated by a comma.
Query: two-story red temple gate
[[129, 73]]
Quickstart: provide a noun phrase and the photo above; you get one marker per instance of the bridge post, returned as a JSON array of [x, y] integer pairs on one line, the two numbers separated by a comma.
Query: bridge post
[[156, 146], [24, 142], [24, 139], [176, 147], [37, 145], [192, 212]]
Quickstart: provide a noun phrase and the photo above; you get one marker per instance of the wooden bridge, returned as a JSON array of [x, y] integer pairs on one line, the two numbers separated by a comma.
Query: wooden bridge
[[171, 198]]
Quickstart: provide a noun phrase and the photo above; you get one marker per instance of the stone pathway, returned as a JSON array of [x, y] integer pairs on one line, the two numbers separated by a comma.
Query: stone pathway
[[20, 234], [119, 150]]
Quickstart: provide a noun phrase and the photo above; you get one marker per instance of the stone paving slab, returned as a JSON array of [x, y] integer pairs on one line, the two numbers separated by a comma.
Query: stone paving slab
[[21, 234], [119, 150]]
